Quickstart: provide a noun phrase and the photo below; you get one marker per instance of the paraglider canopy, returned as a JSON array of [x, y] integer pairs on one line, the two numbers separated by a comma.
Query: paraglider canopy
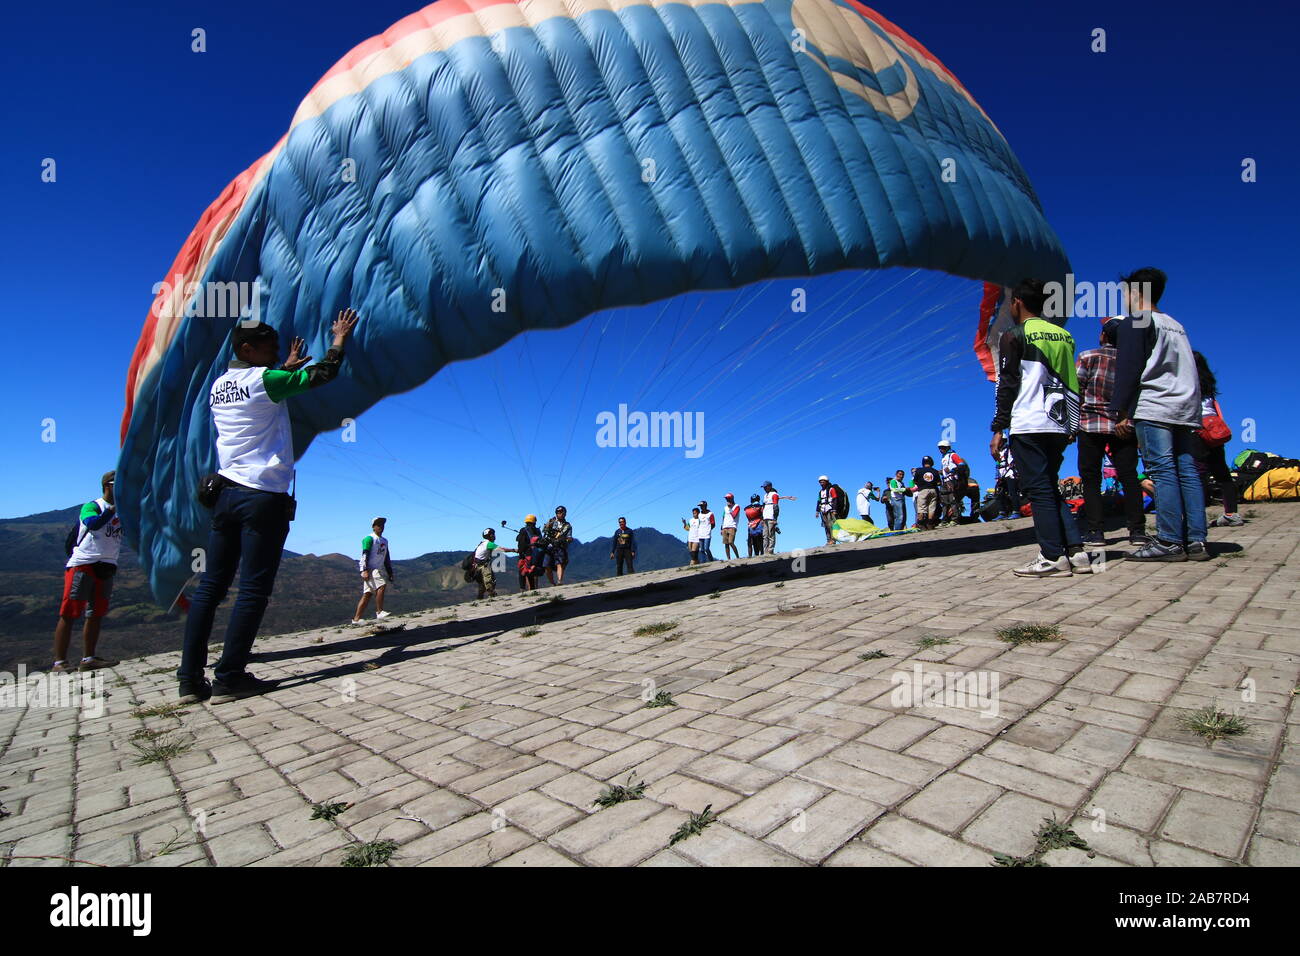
[[483, 169]]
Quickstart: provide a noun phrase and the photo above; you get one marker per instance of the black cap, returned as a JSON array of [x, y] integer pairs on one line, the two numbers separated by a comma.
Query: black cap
[[251, 331]]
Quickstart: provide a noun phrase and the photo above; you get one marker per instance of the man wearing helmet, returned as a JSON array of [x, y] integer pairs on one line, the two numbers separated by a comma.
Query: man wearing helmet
[[559, 533], [481, 569]]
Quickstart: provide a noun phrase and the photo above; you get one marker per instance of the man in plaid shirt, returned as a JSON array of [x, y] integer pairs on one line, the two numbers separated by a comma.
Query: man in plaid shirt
[[1096, 370]]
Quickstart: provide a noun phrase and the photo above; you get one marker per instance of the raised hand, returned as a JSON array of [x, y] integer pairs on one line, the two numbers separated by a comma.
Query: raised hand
[[343, 326], [296, 359]]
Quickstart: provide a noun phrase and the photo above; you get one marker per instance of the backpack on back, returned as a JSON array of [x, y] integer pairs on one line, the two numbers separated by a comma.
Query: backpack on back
[[841, 502]]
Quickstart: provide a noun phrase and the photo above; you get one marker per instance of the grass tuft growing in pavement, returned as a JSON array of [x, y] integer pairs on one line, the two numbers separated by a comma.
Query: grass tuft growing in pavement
[[695, 825], [374, 853], [872, 655], [1029, 634], [1050, 836], [160, 750], [649, 630], [614, 793], [661, 699], [530, 632], [161, 710], [327, 811], [931, 640], [1212, 724]]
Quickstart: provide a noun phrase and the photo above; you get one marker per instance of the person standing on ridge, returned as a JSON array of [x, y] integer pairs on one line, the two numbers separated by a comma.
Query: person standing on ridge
[[531, 548], [898, 497], [954, 474], [481, 569], [692, 529], [88, 579], [1158, 398], [1096, 371], [559, 535], [250, 518], [705, 537], [1038, 401], [866, 495], [624, 548], [754, 516], [376, 571], [771, 513], [730, 522], [1207, 447], [827, 507], [925, 494]]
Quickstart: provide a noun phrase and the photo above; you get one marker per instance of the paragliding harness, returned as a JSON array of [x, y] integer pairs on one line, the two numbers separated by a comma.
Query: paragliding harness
[[841, 502], [467, 565]]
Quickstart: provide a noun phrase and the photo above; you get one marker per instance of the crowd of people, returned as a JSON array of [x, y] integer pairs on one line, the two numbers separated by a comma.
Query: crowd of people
[[1142, 395]]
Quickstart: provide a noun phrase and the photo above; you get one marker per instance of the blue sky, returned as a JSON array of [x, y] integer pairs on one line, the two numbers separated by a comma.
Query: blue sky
[[1135, 153]]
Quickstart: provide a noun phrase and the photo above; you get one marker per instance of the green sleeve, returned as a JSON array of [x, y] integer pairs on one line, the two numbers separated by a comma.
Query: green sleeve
[[89, 510], [366, 542], [281, 384]]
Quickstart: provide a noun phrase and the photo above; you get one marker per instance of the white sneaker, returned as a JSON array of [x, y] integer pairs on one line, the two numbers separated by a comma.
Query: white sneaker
[[356, 621], [1040, 567], [381, 615], [1081, 563]]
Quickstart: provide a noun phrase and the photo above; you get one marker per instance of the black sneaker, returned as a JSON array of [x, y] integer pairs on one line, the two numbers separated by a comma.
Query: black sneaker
[[246, 685], [1197, 551], [195, 692], [1094, 537]]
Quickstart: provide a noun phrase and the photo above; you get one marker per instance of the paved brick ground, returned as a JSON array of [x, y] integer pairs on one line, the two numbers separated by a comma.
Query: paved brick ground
[[483, 736]]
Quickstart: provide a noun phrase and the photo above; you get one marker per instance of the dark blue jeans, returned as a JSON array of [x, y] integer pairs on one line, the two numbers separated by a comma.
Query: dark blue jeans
[[1038, 466], [248, 532]]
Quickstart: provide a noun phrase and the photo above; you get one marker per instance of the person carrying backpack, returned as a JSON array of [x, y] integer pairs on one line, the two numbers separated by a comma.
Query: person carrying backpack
[[481, 563], [898, 500], [559, 535], [531, 547], [92, 550], [954, 474], [754, 519], [1208, 445], [830, 500]]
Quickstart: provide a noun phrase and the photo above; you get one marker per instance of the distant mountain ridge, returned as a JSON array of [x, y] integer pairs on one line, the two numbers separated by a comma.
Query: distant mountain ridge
[[310, 591]]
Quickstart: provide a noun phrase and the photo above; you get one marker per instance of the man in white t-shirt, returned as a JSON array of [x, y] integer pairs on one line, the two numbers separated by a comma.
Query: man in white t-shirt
[[730, 521], [771, 512], [481, 563], [251, 515], [692, 528], [866, 495], [705, 537], [376, 571]]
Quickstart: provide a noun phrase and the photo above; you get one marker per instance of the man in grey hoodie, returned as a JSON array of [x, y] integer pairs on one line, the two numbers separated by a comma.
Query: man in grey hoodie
[[1158, 398]]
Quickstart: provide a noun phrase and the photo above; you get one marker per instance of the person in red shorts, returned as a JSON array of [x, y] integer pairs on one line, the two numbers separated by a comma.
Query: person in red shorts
[[88, 579]]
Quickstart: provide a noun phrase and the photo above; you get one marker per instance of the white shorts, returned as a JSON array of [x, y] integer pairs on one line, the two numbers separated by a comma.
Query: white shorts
[[374, 582]]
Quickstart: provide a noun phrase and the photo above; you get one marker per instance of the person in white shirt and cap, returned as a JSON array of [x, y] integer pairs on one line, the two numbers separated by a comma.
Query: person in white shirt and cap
[[866, 494], [826, 507]]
